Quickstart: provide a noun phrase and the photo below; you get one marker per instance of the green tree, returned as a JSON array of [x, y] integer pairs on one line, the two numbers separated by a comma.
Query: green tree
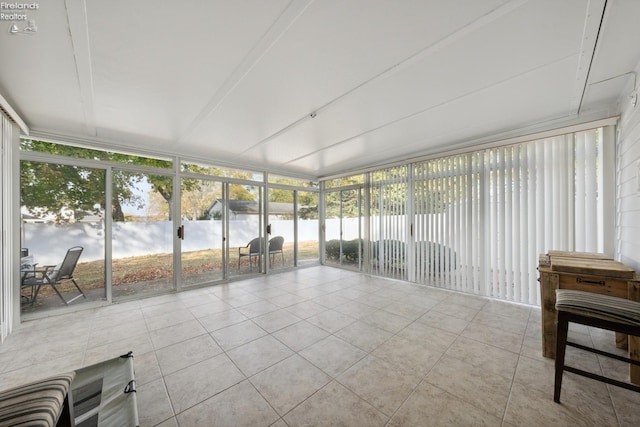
[[50, 188]]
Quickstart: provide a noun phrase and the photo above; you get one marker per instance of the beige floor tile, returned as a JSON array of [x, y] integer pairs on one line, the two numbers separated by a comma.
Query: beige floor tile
[[276, 320], [388, 321], [257, 308], [331, 321], [240, 405], [168, 319], [287, 300], [175, 334], [355, 309], [408, 355], [153, 402], [146, 368], [222, 319], [186, 353], [259, 354], [333, 355], [455, 310], [430, 405], [452, 365], [171, 422], [238, 334], [510, 341], [364, 336], [626, 404], [335, 405], [154, 308], [379, 383], [241, 299], [530, 407], [213, 306], [484, 356], [306, 309], [289, 382], [501, 322], [472, 385], [407, 310], [139, 344], [300, 335], [437, 339], [201, 381], [503, 308], [330, 300], [443, 321]]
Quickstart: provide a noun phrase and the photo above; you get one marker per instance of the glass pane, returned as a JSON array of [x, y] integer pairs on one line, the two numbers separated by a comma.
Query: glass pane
[[142, 234], [246, 239], [307, 228], [87, 153], [344, 182], [333, 249], [189, 167], [62, 207], [202, 219], [350, 229], [281, 220], [294, 182]]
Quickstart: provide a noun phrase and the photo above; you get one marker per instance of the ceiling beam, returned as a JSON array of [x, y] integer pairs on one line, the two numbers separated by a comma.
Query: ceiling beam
[[269, 39], [79, 31], [592, 23]]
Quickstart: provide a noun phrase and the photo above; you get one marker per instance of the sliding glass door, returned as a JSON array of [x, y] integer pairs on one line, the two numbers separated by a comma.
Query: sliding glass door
[[201, 232], [246, 238], [142, 234]]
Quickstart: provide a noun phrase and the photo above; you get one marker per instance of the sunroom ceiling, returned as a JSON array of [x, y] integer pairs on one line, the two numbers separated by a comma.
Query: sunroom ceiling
[[315, 88]]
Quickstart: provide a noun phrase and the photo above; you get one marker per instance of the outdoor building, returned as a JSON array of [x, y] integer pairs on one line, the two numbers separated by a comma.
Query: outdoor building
[[322, 212]]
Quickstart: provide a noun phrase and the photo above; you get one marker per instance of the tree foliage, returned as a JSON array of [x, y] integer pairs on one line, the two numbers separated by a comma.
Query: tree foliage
[[66, 192]]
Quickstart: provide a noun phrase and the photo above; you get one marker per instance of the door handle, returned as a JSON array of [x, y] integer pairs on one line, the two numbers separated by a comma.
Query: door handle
[[181, 232], [269, 229]]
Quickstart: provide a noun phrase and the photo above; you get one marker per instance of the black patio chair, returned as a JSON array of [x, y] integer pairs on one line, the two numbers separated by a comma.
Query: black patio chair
[[54, 275]]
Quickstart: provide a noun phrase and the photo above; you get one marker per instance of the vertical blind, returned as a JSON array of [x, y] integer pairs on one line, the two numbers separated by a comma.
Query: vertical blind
[[388, 222], [483, 218], [477, 222], [6, 227]]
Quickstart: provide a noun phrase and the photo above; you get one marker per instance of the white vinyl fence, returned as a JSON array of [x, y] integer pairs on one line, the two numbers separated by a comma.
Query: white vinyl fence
[[48, 243]]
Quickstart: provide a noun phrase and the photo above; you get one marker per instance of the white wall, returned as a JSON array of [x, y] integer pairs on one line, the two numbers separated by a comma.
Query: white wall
[[627, 186]]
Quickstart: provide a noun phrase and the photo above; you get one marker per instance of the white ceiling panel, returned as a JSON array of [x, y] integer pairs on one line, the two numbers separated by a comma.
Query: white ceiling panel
[[331, 49], [473, 63], [235, 81], [38, 74], [168, 58], [423, 133]]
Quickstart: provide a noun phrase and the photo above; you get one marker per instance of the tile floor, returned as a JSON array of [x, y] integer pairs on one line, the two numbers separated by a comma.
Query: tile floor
[[327, 347]]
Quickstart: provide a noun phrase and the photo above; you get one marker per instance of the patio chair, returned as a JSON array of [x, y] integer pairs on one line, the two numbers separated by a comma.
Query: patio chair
[[54, 275], [275, 247], [254, 251]]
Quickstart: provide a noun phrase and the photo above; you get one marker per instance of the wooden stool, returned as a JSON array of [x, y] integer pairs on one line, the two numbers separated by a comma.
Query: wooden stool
[[600, 311]]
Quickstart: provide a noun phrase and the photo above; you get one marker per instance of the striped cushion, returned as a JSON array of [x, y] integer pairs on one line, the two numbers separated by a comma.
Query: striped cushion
[[35, 404], [604, 307]]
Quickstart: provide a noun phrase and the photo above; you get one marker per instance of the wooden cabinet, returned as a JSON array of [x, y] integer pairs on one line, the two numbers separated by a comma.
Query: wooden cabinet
[[591, 273]]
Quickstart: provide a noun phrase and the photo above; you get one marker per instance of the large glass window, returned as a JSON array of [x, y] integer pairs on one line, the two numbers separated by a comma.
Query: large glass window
[[62, 207], [476, 222]]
